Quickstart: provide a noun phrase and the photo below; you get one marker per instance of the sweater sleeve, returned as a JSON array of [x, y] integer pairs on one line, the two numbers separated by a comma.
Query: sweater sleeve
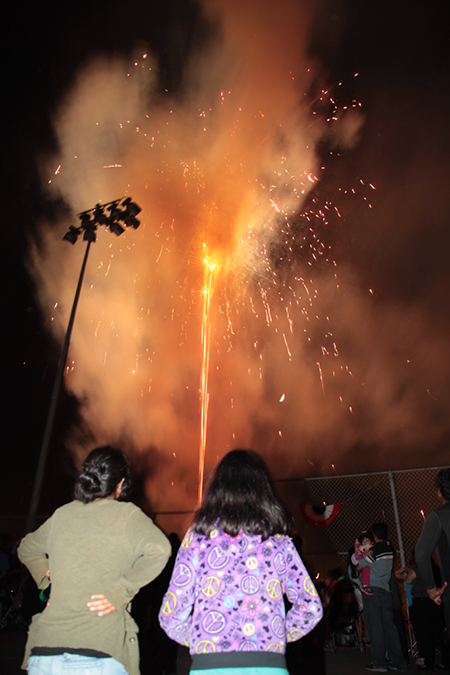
[[32, 552], [150, 551], [306, 610], [428, 540], [176, 613]]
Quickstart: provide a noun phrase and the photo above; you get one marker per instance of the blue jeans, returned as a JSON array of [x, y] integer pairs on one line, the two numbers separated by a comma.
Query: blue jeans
[[73, 664], [383, 633]]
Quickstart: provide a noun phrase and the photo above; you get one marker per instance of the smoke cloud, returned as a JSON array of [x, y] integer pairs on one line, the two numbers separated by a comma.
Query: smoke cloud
[[304, 367]]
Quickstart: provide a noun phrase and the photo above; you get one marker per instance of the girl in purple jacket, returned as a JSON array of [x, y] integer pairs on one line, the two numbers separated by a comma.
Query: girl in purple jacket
[[225, 600]]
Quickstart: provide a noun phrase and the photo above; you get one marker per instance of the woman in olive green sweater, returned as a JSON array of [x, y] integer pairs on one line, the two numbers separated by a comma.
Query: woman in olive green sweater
[[96, 552]]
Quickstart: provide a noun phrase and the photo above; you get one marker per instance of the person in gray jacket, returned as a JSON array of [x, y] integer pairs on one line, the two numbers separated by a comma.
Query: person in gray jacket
[[378, 610]]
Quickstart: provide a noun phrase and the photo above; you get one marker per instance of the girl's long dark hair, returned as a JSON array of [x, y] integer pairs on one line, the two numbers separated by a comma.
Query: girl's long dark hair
[[100, 474], [240, 496]]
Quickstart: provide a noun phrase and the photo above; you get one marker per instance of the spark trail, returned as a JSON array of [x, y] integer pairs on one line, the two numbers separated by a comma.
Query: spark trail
[[205, 340]]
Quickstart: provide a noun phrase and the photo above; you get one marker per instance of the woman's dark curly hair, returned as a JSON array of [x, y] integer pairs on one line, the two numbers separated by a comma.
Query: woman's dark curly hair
[[100, 474], [240, 497]]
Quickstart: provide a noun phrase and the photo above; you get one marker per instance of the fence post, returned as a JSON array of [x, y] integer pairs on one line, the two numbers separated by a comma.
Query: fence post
[[397, 520], [402, 556]]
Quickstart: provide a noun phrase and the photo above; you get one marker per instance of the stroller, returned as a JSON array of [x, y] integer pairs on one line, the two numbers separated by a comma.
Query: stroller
[[11, 597], [18, 599], [343, 612]]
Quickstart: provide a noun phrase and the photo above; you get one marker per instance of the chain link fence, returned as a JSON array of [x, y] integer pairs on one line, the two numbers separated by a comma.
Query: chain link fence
[[402, 499]]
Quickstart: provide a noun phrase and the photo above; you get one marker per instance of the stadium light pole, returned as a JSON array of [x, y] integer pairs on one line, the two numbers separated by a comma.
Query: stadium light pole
[[114, 215]]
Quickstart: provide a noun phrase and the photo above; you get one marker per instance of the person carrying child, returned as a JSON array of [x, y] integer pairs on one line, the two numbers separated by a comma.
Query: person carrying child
[[234, 568], [363, 547]]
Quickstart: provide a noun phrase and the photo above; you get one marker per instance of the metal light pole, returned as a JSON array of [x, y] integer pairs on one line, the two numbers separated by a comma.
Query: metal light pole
[[90, 220]]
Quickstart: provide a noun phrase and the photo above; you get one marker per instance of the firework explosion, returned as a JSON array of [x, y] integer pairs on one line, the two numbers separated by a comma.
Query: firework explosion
[[213, 324]]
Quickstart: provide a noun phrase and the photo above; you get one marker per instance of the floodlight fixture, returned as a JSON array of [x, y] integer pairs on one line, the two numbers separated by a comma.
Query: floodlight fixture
[[85, 219], [114, 212], [131, 211], [110, 214], [72, 235], [99, 216], [117, 228], [90, 235], [131, 208]]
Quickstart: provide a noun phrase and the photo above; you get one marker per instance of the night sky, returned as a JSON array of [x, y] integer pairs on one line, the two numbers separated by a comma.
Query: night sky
[[393, 256]]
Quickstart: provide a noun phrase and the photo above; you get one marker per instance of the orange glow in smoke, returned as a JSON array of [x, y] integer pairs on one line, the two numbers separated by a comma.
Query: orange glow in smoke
[[233, 164]]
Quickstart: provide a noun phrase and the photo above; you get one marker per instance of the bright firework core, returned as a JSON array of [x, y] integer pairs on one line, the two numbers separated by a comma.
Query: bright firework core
[[214, 325], [205, 339]]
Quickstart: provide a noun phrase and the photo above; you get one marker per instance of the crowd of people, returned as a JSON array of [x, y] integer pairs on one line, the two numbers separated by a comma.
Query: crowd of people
[[235, 591], [376, 592]]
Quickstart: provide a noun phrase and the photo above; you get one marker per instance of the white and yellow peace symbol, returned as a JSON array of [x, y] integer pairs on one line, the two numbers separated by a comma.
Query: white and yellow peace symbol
[[170, 603], [248, 646], [250, 584], [249, 629], [187, 540], [295, 635], [309, 587], [274, 647], [273, 588], [252, 563], [205, 647], [212, 587]]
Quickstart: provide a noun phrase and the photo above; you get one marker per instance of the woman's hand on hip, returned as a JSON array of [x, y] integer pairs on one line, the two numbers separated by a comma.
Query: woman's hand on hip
[[100, 605]]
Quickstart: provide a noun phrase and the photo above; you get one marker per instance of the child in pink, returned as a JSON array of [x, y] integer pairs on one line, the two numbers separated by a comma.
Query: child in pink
[[363, 547]]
